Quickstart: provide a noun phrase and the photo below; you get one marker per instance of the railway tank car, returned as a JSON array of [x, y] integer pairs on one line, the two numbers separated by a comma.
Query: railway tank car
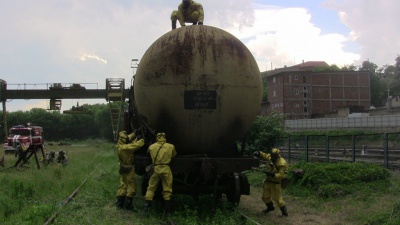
[[202, 87]]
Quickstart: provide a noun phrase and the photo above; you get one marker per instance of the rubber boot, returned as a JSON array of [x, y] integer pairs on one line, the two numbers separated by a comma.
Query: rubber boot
[[284, 211], [270, 207], [128, 203], [173, 25], [195, 23], [147, 206], [120, 202], [167, 206]]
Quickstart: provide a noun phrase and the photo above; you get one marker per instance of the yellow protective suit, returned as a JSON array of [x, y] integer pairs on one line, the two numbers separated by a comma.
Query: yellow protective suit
[[21, 152], [272, 185], [162, 172], [127, 170], [192, 14]]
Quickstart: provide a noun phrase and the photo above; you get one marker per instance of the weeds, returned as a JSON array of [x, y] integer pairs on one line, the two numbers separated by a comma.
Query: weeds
[[31, 196]]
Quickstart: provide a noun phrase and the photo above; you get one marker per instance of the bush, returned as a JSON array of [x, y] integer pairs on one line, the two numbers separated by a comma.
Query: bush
[[390, 218], [263, 133], [334, 180]]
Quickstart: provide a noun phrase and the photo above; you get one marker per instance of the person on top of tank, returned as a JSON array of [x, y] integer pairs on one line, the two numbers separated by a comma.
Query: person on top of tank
[[127, 144], [188, 11], [277, 168], [161, 154]]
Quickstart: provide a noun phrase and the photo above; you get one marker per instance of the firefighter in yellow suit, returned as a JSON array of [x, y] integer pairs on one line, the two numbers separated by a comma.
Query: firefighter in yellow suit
[[21, 152], [277, 168], [161, 154], [127, 144], [188, 11]]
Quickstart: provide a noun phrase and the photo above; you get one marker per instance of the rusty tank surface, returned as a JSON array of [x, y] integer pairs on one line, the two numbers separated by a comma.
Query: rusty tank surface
[[201, 86]]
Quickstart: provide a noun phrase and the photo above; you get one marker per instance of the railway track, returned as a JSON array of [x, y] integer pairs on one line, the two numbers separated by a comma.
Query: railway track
[[69, 198], [344, 154]]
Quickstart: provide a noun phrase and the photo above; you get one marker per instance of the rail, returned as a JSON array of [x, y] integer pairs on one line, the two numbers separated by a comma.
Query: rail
[[378, 148]]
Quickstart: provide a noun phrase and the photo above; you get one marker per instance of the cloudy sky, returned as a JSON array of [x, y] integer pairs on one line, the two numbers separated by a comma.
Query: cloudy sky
[[87, 41]]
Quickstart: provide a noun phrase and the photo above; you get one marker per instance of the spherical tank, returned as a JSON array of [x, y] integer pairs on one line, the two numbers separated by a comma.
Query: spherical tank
[[201, 86]]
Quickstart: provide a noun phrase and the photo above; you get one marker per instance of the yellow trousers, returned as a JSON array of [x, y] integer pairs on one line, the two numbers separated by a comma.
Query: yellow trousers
[[127, 185], [163, 174], [191, 18], [272, 192]]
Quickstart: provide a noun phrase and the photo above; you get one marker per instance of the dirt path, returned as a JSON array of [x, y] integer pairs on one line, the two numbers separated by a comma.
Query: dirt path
[[303, 212]]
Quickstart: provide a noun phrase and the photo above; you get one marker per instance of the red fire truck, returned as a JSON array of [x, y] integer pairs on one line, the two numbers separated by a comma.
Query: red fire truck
[[30, 136]]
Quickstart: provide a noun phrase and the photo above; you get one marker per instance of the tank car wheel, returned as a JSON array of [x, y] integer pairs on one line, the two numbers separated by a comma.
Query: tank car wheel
[[234, 192]]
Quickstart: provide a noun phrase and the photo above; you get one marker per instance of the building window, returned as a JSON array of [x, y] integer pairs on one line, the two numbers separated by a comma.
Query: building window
[[273, 80], [305, 95], [305, 109], [305, 88], [274, 93], [296, 77], [297, 105], [296, 91], [290, 78], [281, 104], [305, 103]]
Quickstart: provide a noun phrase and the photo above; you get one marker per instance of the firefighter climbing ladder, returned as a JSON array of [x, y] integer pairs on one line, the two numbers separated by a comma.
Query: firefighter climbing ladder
[[115, 94]]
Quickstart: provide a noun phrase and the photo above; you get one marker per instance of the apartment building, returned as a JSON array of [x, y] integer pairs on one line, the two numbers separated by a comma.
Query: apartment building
[[299, 92]]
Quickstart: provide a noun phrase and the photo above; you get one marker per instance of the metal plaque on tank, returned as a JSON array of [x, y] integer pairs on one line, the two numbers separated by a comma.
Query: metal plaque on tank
[[200, 99]]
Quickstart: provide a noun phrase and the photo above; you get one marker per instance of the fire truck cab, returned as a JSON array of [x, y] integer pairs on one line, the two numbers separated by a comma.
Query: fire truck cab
[[30, 136]]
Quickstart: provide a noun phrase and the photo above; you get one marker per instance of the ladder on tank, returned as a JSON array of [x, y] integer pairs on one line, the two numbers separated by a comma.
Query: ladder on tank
[[115, 98]]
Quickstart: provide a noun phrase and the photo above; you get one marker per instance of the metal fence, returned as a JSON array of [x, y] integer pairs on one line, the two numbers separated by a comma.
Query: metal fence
[[379, 148], [388, 123]]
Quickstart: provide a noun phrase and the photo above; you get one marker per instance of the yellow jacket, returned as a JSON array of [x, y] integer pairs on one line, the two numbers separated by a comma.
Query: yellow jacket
[[125, 151], [280, 167], [165, 154], [184, 15]]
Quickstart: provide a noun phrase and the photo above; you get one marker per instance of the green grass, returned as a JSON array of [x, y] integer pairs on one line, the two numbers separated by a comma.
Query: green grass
[[358, 193]]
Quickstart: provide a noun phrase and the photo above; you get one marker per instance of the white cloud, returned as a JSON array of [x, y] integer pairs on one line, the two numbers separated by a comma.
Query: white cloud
[[285, 36], [46, 41], [374, 26], [88, 56]]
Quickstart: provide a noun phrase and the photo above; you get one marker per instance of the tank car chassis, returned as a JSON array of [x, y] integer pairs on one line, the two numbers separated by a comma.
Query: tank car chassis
[[196, 175]]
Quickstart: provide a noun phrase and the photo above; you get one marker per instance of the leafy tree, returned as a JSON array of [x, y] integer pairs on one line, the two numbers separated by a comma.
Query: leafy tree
[[351, 67], [394, 84], [94, 123], [369, 66], [387, 71], [378, 91], [397, 64], [378, 88], [101, 113], [265, 91], [330, 68], [263, 132]]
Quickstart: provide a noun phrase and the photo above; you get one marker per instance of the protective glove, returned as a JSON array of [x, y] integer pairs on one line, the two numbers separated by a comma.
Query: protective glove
[[256, 154], [200, 23], [270, 174]]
